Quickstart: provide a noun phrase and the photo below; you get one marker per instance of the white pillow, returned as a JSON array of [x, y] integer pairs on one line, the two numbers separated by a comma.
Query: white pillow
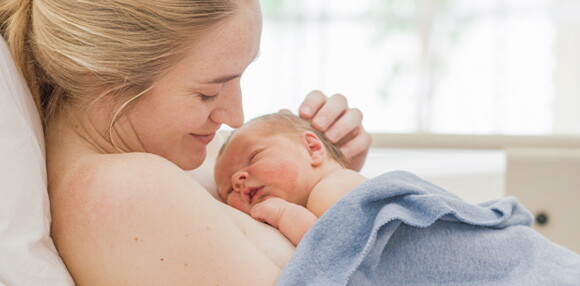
[[27, 253]]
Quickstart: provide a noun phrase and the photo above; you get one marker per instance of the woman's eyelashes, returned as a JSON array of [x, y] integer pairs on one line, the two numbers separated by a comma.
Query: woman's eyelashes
[[207, 97]]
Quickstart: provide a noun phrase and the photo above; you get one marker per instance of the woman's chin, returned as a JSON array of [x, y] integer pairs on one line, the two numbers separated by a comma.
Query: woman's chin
[[187, 156], [190, 162]]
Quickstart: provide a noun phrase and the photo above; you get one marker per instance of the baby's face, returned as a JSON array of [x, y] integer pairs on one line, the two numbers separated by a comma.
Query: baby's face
[[254, 167]]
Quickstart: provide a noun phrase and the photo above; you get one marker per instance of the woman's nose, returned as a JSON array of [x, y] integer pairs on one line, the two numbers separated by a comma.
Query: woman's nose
[[238, 180], [231, 111]]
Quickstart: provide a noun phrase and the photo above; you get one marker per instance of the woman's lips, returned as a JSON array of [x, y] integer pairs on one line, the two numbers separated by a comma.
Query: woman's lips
[[205, 139]]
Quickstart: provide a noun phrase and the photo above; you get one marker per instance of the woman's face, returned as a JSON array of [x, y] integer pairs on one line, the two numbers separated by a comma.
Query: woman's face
[[180, 115]]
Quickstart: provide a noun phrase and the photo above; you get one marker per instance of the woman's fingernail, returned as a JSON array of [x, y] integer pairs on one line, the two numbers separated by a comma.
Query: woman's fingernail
[[306, 111]]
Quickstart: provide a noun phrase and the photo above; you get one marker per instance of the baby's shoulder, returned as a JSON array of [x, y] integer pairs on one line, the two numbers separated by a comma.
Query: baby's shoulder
[[331, 189], [344, 179]]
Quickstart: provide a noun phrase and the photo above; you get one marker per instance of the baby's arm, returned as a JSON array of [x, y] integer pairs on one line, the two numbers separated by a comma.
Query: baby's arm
[[292, 220]]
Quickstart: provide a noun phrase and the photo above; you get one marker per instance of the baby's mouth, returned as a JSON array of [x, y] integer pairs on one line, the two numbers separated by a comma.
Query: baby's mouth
[[252, 193]]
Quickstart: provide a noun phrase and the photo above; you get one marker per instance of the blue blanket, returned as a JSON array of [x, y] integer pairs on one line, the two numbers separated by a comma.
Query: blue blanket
[[397, 229]]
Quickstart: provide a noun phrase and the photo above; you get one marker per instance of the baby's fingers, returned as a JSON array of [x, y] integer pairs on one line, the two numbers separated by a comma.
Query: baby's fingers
[[269, 211]]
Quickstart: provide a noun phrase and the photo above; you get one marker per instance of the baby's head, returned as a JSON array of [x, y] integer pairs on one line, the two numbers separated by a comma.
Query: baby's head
[[275, 155]]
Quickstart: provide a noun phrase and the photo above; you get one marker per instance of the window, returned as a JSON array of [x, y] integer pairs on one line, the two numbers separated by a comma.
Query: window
[[444, 66]]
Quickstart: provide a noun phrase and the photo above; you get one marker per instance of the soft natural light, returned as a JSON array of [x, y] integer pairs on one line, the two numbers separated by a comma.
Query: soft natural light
[[457, 66]]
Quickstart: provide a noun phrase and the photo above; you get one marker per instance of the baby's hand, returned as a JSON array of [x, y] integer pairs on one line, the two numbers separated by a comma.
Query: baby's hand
[[269, 211]]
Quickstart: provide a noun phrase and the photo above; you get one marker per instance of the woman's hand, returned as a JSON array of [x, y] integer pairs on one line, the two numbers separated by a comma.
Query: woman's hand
[[340, 123]]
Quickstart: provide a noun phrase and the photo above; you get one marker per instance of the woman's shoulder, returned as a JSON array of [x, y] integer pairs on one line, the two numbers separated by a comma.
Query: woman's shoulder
[[120, 189], [107, 185], [113, 166], [108, 172], [140, 218], [128, 179]]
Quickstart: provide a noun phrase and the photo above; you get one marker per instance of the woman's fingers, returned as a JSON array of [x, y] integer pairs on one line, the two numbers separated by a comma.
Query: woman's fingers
[[311, 104], [350, 120], [330, 112], [341, 124], [356, 148]]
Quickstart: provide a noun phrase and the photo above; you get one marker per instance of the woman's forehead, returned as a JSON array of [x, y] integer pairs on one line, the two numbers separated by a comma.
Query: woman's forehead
[[224, 51]]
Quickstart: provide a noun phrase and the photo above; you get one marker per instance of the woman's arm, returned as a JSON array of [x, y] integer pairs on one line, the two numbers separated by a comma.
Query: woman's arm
[[291, 219], [138, 219]]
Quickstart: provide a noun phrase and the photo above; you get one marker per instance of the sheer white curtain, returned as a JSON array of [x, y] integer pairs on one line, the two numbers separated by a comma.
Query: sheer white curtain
[[454, 66]]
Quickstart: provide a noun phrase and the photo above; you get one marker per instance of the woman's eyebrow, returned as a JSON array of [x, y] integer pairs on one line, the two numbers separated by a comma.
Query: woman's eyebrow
[[223, 79]]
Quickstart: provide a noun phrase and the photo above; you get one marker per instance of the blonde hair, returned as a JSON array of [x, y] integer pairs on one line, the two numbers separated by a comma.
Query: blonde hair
[[78, 51], [282, 122]]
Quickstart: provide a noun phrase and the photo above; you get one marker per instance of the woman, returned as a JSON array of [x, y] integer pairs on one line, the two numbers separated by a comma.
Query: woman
[[131, 92]]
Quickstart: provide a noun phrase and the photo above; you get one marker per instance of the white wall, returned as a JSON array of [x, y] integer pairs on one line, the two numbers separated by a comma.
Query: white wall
[[474, 175]]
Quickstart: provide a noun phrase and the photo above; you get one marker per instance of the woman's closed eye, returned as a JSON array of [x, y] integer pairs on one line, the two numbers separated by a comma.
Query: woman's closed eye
[[207, 97]]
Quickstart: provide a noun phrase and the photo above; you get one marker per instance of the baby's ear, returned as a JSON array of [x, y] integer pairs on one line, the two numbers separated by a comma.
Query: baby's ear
[[315, 148]]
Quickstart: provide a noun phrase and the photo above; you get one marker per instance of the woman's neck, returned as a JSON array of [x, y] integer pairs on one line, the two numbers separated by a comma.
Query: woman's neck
[[89, 129]]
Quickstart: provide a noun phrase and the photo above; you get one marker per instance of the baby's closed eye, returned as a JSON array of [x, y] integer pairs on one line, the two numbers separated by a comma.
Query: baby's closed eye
[[253, 156]]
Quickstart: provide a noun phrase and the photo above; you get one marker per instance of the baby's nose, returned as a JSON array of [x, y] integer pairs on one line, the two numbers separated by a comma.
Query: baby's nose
[[238, 180]]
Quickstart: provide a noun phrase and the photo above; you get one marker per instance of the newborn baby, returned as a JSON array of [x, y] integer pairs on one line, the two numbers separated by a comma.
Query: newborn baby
[[282, 171]]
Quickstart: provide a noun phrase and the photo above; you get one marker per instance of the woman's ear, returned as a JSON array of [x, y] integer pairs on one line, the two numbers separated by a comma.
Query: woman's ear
[[315, 148]]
